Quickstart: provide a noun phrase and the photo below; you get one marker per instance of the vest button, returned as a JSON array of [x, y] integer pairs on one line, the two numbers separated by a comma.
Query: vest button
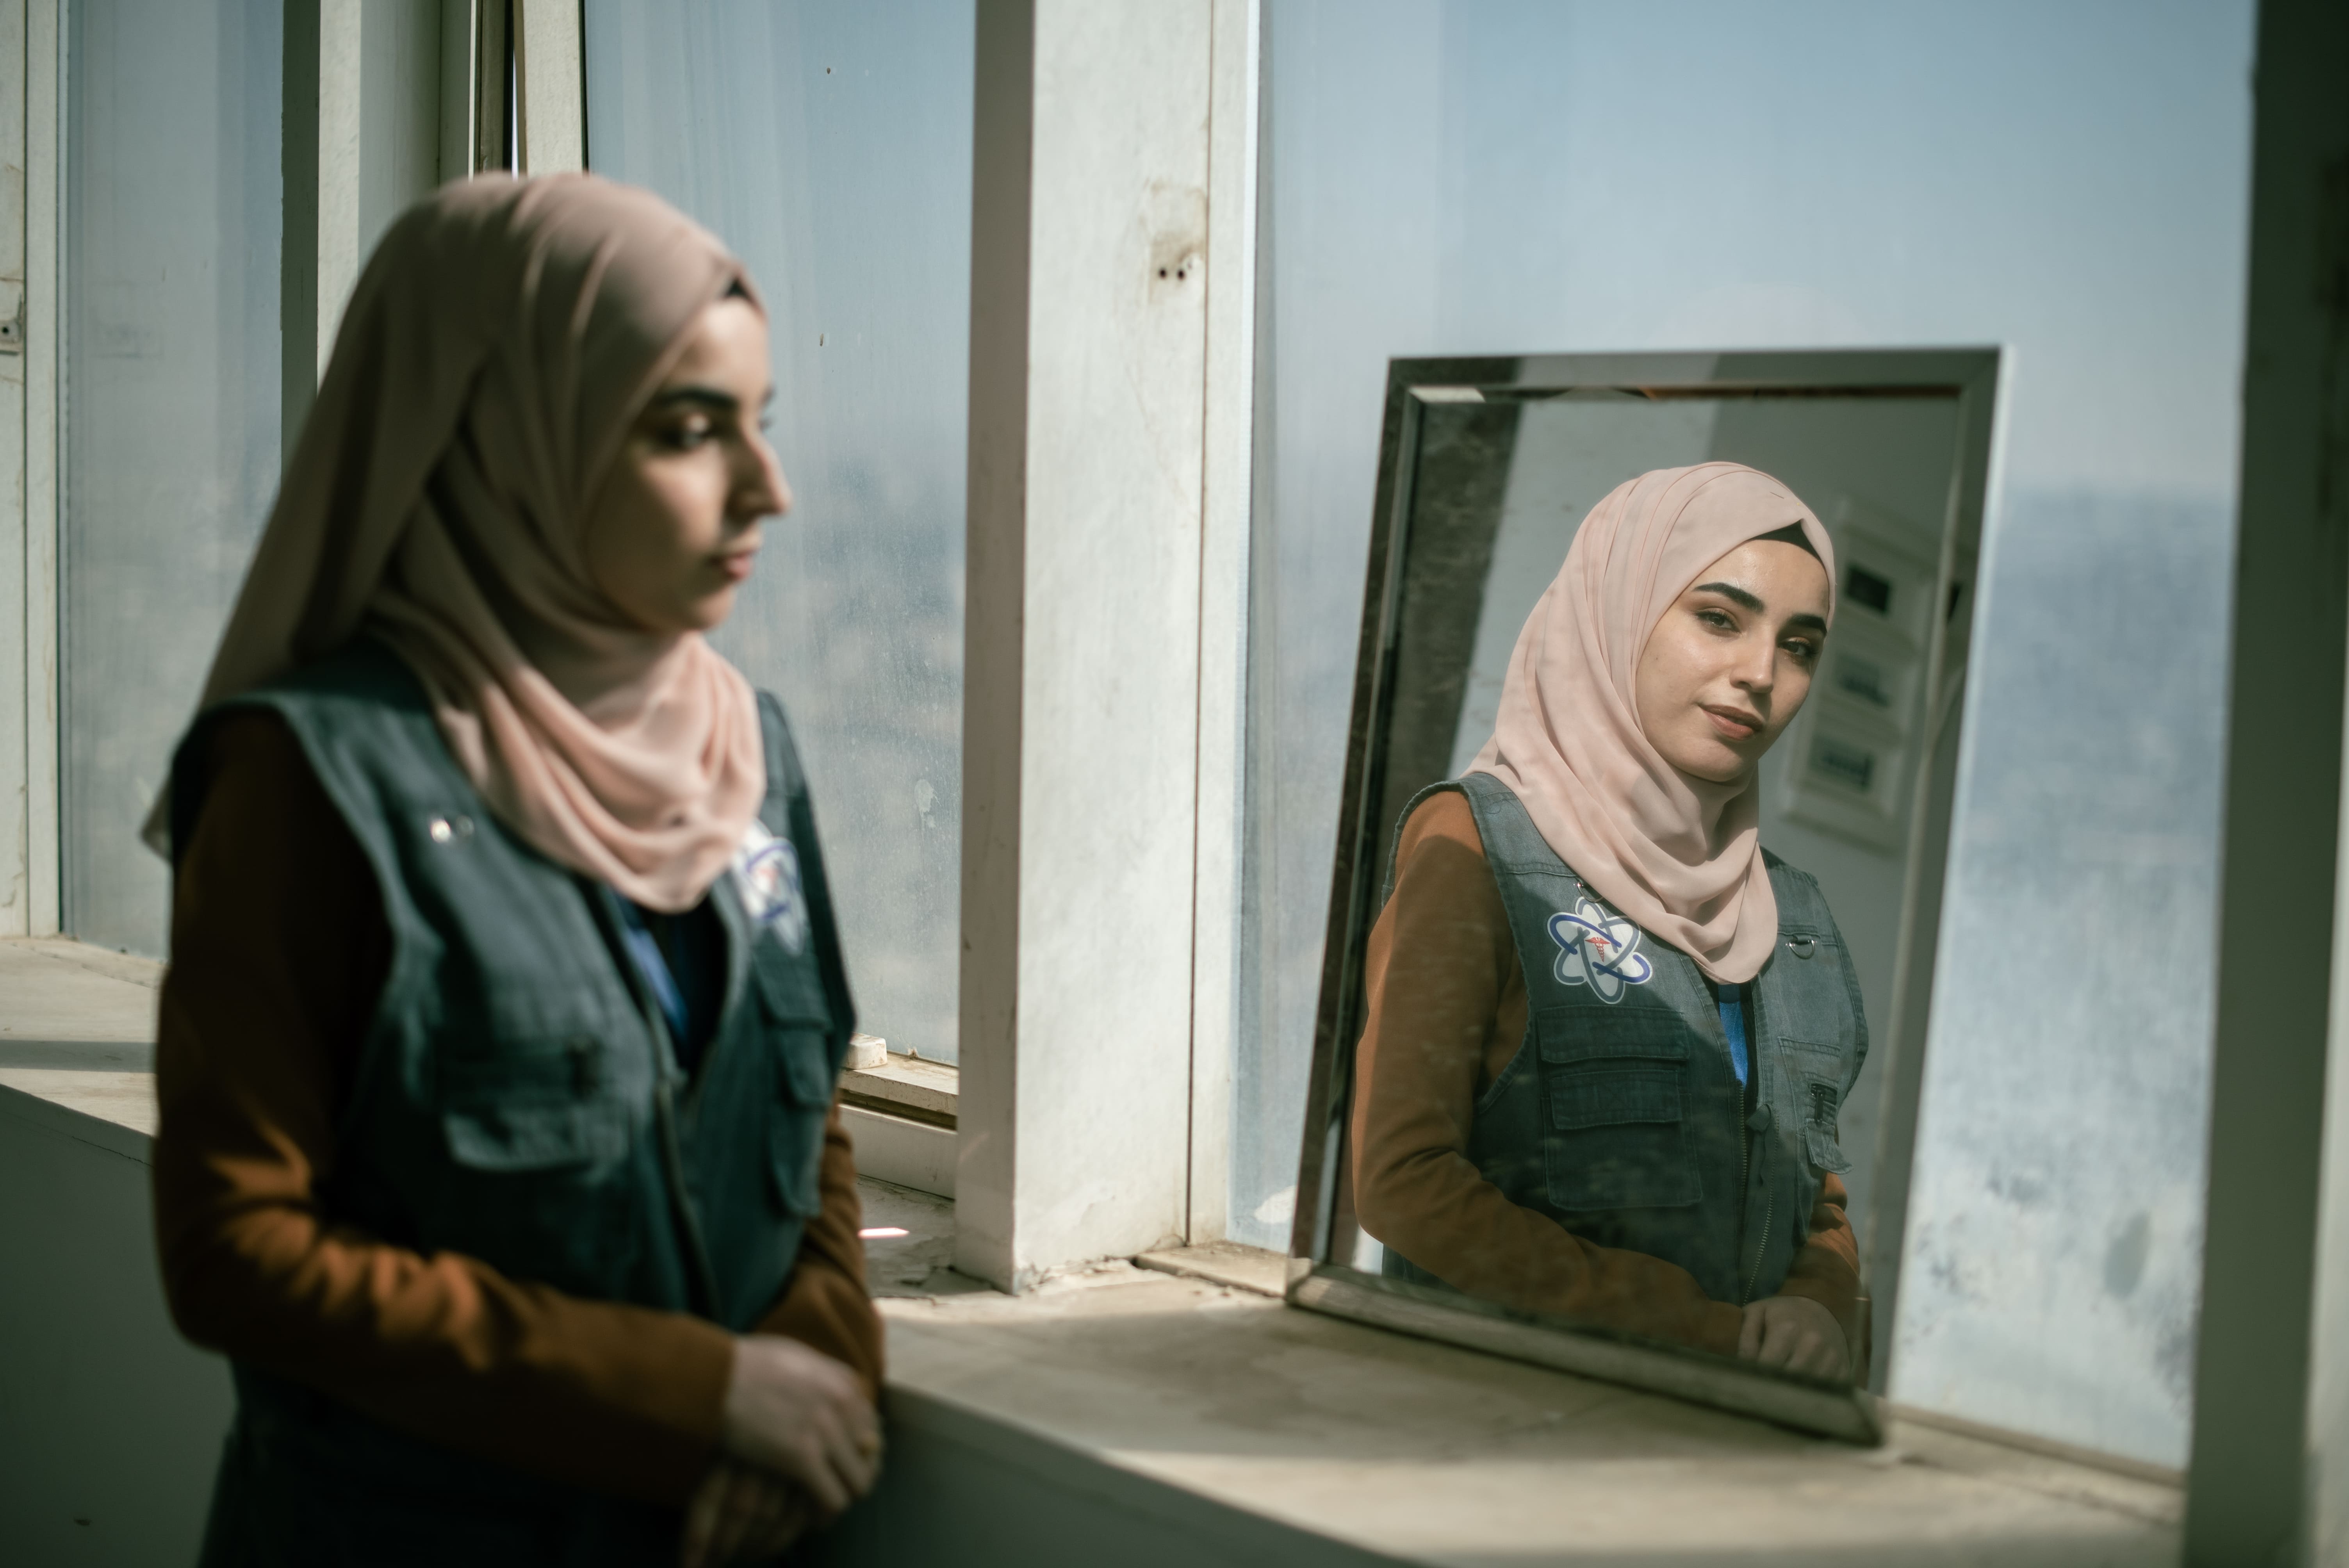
[[1802, 946], [1760, 1120], [448, 829]]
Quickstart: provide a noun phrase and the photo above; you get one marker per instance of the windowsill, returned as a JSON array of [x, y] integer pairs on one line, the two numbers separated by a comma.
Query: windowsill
[[76, 1042], [906, 1087], [1273, 1430]]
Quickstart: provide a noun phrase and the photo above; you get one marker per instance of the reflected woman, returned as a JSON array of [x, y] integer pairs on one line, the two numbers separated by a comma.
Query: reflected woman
[[497, 1050], [1609, 1034]]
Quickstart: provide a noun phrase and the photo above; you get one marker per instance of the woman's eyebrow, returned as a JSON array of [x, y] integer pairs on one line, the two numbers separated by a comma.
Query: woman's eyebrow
[[1731, 591], [1737, 595], [725, 401]]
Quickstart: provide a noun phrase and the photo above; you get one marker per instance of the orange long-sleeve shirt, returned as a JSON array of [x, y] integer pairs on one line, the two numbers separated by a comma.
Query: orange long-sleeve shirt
[[279, 952], [1447, 1012]]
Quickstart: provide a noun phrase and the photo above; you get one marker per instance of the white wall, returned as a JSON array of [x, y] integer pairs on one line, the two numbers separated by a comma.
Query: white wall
[[110, 1424]]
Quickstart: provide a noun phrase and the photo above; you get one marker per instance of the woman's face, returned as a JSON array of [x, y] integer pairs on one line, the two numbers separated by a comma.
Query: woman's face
[[674, 530], [1728, 666]]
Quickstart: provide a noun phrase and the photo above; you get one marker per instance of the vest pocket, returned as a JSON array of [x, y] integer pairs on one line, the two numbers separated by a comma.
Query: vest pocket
[[1806, 986], [1601, 1097], [539, 1183], [1615, 1138], [795, 1129], [1816, 1073], [799, 1045], [1821, 1135], [534, 1105]]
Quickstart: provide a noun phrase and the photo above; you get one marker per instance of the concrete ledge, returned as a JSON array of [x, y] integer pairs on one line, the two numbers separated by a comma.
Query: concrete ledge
[[60, 990], [1254, 1433], [964, 1487], [908, 1087], [1225, 1262], [110, 1424]]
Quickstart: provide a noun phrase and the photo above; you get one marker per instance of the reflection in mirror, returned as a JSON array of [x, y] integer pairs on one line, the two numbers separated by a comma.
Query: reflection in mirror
[[1637, 877]]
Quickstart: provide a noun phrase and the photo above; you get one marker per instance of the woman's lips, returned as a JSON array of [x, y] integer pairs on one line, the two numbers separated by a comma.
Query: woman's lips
[[737, 566], [1734, 724]]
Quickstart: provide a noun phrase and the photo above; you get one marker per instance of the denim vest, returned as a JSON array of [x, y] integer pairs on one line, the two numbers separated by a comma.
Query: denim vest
[[517, 1100], [1620, 1117]]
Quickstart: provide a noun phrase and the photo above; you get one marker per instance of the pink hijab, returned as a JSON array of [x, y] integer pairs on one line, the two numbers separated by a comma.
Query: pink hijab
[[496, 351], [1680, 857]]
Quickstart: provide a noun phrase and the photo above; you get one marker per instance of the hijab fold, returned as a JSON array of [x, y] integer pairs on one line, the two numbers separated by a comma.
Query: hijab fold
[[494, 355], [1681, 857]]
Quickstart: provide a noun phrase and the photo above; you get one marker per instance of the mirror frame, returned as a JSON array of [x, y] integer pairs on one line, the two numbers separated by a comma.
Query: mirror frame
[[1971, 377]]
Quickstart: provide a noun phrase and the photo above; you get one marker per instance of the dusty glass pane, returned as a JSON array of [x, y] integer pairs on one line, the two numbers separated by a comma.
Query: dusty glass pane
[[829, 146], [171, 226], [1461, 177]]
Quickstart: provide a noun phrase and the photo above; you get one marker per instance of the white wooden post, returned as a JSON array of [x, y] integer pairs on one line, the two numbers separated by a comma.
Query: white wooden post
[[29, 871], [1104, 601], [362, 140]]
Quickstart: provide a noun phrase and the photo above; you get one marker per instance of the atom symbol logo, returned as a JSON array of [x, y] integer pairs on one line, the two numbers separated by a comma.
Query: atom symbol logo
[[768, 869], [1598, 950]]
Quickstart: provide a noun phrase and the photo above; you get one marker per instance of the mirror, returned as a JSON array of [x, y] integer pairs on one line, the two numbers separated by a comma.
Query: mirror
[[1495, 1153]]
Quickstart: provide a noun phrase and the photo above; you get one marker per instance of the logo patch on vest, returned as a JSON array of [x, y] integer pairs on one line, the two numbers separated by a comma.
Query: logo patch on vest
[[767, 868], [1598, 950]]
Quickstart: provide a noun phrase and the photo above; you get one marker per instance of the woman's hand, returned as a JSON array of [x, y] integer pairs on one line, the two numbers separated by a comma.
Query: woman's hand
[[801, 1415], [1798, 1334], [741, 1514]]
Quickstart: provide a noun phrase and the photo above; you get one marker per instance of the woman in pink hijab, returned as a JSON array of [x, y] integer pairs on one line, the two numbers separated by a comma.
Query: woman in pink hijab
[[496, 1057], [1609, 1034]]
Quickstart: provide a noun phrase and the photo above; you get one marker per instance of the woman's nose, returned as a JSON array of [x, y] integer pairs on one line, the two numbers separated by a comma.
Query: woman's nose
[[765, 493]]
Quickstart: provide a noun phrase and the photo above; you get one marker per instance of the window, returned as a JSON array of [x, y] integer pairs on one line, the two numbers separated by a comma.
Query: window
[[1447, 177], [172, 400]]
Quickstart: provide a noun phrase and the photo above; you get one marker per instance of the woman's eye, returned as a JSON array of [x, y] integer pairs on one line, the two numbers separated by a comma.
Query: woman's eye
[[687, 434], [1804, 651], [1717, 618]]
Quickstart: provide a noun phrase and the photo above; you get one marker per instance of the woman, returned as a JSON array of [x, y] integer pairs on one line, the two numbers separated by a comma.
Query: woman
[[497, 1050], [1608, 1032]]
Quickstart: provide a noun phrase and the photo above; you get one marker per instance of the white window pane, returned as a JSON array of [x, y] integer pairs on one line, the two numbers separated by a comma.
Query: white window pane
[[829, 145], [171, 385]]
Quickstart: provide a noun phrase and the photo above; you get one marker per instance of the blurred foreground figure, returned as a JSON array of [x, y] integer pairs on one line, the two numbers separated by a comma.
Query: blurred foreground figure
[[497, 1046]]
